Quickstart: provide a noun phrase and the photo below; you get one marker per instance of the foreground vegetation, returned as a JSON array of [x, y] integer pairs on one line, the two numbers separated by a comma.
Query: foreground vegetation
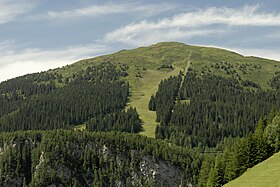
[[73, 158], [240, 154], [264, 174], [69, 158]]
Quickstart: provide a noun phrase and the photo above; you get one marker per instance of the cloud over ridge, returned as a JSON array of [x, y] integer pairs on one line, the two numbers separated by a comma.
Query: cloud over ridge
[[194, 23], [35, 60]]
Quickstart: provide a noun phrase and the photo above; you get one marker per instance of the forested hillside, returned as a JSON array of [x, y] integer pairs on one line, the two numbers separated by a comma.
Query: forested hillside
[[34, 102], [219, 107], [213, 114], [69, 158]]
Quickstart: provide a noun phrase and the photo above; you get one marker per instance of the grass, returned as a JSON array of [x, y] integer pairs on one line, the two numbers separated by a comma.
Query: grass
[[141, 94], [265, 174]]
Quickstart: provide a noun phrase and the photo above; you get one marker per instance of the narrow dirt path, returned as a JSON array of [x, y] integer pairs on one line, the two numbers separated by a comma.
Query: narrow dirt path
[[186, 68]]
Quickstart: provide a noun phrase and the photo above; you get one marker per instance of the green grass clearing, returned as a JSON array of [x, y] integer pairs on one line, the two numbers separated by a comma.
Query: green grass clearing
[[265, 174], [141, 94]]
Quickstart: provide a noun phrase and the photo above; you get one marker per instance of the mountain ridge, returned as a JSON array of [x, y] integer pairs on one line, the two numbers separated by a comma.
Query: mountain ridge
[[152, 57], [145, 69]]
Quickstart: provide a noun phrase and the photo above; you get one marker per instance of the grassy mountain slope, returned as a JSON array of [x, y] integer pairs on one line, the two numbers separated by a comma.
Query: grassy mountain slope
[[145, 70], [264, 174], [141, 94]]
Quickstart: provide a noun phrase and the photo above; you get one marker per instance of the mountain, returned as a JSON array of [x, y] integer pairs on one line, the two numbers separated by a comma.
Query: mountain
[[145, 72], [205, 115]]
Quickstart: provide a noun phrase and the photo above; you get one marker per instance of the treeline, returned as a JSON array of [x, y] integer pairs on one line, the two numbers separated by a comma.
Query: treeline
[[91, 93], [69, 158], [275, 81], [71, 105], [123, 121], [15, 91], [105, 71], [219, 107], [30, 84], [239, 154], [164, 100]]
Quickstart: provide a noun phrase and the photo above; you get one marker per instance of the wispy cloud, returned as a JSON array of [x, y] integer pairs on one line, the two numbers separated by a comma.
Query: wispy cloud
[[111, 8], [148, 36], [263, 53], [6, 45], [245, 16], [195, 23], [16, 63], [272, 53], [11, 9]]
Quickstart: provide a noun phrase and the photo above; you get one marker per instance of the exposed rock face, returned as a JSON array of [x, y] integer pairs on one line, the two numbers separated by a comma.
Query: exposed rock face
[[38, 166], [105, 152], [162, 173]]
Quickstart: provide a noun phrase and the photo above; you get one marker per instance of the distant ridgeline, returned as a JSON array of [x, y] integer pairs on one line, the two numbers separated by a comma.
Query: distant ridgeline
[[35, 102]]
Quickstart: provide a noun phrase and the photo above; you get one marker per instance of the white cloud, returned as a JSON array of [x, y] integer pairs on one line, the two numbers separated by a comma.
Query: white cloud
[[246, 16], [195, 23], [272, 54], [111, 8], [5, 45], [16, 63], [11, 9], [150, 36]]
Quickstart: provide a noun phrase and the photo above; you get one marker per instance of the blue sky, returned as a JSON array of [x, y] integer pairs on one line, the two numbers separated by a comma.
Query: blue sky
[[37, 35]]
